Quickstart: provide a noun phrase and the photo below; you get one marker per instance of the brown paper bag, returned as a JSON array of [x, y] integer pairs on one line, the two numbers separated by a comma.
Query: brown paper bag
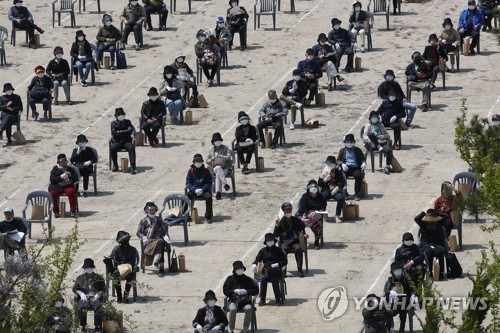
[[442, 64], [455, 217], [106, 62], [268, 138], [464, 190], [366, 25], [452, 241], [62, 208], [398, 288], [111, 326], [320, 99], [364, 190], [312, 123], [139, 141], [194, 215], [435, 270], [124, 270], [182, 263], [37, 212], [466, 46], [261, 164], [351, 211], [19, 137], [302, 242], [37, 39], [357, 63], [396, 167], [176, 211], [402, 124], [260, 269], [124, 161], [189, 118], [202, 101]]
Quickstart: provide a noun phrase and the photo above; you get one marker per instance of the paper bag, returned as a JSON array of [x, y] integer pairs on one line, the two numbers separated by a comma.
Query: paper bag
[[111, 326], [364, 190], [62, 209], [268, 138], [139, 141], [261, 164], [396, 167], [366, 26], [351, 211], [124, 161], [36, 37], [402, 124], [189, 118], [313, 123], [452, 241], [320, 99], [124, 270], [442, 64], [466, 46], [302, 242], [106, 62], [464, 190], [194, 215], [37, 212], [176, 211], [260, 269], [202, 101], [182, 263], [357, 63], [435, 270], [455, 217], [19, 137]]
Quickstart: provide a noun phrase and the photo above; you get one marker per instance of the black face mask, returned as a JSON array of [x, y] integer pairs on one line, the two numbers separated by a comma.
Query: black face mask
[[417, 61], [124, 243]]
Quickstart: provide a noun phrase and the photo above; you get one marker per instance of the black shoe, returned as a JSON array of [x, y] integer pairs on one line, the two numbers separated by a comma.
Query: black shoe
[[472, 52], [301, 274], [218, 196], [245, 171], [262, 302], [85, 194], [227, 187], [273, 146], [163, 28], [279, 302], [307, 102], [72, 214], [330, 87], [133, 171], [316, 244], [161, 273], [56, 102], [34, 115], [387, 171], [119, 299], [57, 215], [114, 169], [9, 143], [45, 114], [349, 69], [149, 29], [125, 298]]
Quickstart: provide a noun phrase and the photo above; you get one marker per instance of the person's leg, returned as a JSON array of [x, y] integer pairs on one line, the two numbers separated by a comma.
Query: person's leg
[[424, 86], [354, 32], [358, 180], [448, 226], [219, 176], [373, 139], [326, 194], [397, 133], [339, 53], [82, 314], [79, 66], [340, 198], [57, 84], [213, 71], [55, 194], [127, 28], [313, 89], [138, 34], [112, 53], [412, 109], [6, 125], [115, 147], [394, 7], [31, 102], [278, 130], [435, 72], [241, 156], [475, 38], [402, 317], [85, 173], [362, 34], [275, 281], [297, 251], [332, 71], [263, 288], [208, 204], [97, 319], [350, 58], [247, 319], [233, 309], [128, 286], [147, 130], [388, 153], [129, 146], [71, 193], [192, 85], [65, 86], [249, 151], [205, 68], [88, 68], [155, 129], [149, 10], [260, 127], [164, 15], [99, 52], [46, 104]]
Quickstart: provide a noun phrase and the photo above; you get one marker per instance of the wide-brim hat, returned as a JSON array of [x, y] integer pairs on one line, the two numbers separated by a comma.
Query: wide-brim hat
[[122, 235], [61, 157], [79, 33], [356, 3], [416, 54], [209, 295], [216, 137], [447, 21], [238, 265], [148, 205], [197, 157], [119, 112], [8, 86], [389, 72], [335, 21], [321, 35], [331, 159], [433, 37], [88, 263], [349, 138], [431, 216], [242, 116], [407, 236], [373, 114], [238, 1], [81, 138], [58, 49], [220, 19], [180, 55], [269, 237], [153, 92]]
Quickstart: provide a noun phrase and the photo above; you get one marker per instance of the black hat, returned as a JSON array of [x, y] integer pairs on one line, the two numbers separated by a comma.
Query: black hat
[[197, 157], [321, 35], [311, 183], [106, 18], [201, 32], [331, 159], [395, 265], [58, 49], [310, 51], [216, 137], [471, 1], [119, 112], [8, 86], [335, 21], [373, 114], [447, 21], [81, 138], [168, 70], [285, 206], [238, 265], [16, 1], [370, 300], [295, 72], [389, 72], [209, 295], [349, 138], [122, 235], [61, 157], [269, 237], [153, 92], [88, 263], [407, 236], [356, 3], [238, 1], [242, 115], [416, 54], [433, 37], [150, 204], [79, 33]]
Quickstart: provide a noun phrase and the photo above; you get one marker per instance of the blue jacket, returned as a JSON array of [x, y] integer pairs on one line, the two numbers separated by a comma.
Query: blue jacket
[[199, 178], [344, 37], [310, 67], [389, 109], [476, 16]]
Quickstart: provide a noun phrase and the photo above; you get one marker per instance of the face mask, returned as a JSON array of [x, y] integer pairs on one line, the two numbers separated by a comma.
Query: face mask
[[234, 4], [408, 243], [9, 92], [198, 165], [397, 272], [108, 23], [336, 26], [357, 9], [58, 304], [19, 4], [10, 220], [169, 76], [392, 98], [221, 25], [374, 119], [202, 38], [151, 215], [239, 271], [389, 77], [81, 38], [179, 60], [322, 43], [154, 97], [494, 123], [417, 61], [313, 190], [121, 118], [269, 243], [296, 77], [82, 144], [433, 42], [310, 57], [288, 215], [211, 303], [40, 75], [349, 145], [133, 3], [472, 7], [244, 122], [89, 270], [59, 56], [217, 143], [272, 100], [447, 27]]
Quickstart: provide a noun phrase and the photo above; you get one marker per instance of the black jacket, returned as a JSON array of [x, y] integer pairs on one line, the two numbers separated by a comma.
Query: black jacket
[[271, 255], [121, 131], [358, 153], [44, 82], [391, 282], [154, 109], [241, 137], [15, 224], [87, 50], [289, 228], [299, 93], [55, 178], [441, 53], [337, 179], [430, 233], [198, 178], [404, 254], [219, 316], [361, 17], [17, 105], [411, 72], [58, 70], [383, 90], [388, 109], [79, 156], [308, 203], [376, 320], [235, 281], [124, 254]]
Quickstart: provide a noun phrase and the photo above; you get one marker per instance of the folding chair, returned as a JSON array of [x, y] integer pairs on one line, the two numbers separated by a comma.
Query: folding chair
[[39, 198], [282, 137], [182, 201], [66, 7], [74, 71], [266, 8]]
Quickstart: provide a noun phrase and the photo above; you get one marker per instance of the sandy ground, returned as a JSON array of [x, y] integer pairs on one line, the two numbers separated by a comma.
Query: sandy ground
[[356, 254]]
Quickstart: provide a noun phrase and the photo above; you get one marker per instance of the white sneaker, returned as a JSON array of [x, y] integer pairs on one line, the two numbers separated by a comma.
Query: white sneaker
[[380, 148], [292, 126], [298, 105], [362, 49], [338, 219]]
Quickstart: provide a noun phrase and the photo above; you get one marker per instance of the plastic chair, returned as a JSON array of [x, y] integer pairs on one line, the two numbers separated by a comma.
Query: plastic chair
[[282, 137], [381, 6], [255, 152], [163, 126], [109, 282], [123, 150], [49, 111], [199, 71], [304, 252], [167, 249], [473, 182], [67, 7], [371, 151], [282, 283], [80, 6], [253, 323], [368, 25], [4, 34], [75, 186], [173, 5], [409, 90], [292, 6], [266, 7], [13, 35], [39, 198], [231, 174], [456, 54], [178, 200], [94, 172]]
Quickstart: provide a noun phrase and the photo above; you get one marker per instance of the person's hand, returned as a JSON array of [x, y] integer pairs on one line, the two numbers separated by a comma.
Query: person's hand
[[277, 221], [254, 268], [328, 178], [381, 137], [393, 119], [199, 328], [291, 91], [294, 85], [363, 166], [64, 175], [87, 163], [243, 292], [420, 75], [198, 191], [69, 174], [310, 76], [306, 236], [216, 329], [18, 20], [83, 297], [275, 265], [335, 190], [414, 299], [476, 27], [444, 41], [337, 46], [249, 140], [96, 297], [461, 30], [145, 240], [392, 296], [408, 265], [345, 168]]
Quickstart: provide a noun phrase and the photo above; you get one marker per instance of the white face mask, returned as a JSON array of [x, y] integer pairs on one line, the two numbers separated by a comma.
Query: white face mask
[[288, 215], [392, 98], [433, 42], [310, 57], [269, 243], [447, 27], [108, 23], [349, 145], [154, 97], [9, 92], [234, 4], [82, 144], [221, 25], [59, 56], [169, 76], [239, 271], [272, 100], [211, 303], [133, 3], [244, 122], [398, 272], [198, 165], [408, 243], [313, 190], [472, 7], [336, 26], [389, 77], [19, 4], [202, 38], [494, 123], [357, 9], [10, 220], [151, 215], [217, 143], [121, 118], [40, 75], [179, 60], [296, 77], [89, 270], [374, 119], [58, 304], [80, 38]]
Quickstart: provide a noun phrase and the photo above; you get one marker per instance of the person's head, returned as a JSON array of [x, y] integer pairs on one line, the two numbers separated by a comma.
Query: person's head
[[273, 97], [243, 118], [134, 2], [180, 57], [79, 35], [9, 214], [62, 161], [446, 191], [88, 266], [269, 240], [39, 71], [312, 188], [201, 35], [296, 74], [8, 89], [374, 117], [234, 3], [168, 72], [238, 268], [356, 5], [119, 114], [322, 39], [107, 20], [58, 301], [407, 239], [433, 39], [447, 24], [331, 160], [81, 141], [210, 298], [150, 209], [495, 119], [391, 94], [123, 238], [336, 23], [372, 301], [431, 219], [389, 75], [216, 139], [416, 57], [153, 94], [309, 54], [287, 209], [397, 270], [58, 52], [472, 4], [198, 160], [220, 22], [349, 141], [18, 3]]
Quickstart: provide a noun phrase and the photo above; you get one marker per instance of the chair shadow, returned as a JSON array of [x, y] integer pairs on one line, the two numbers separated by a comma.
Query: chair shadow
[[5, 165], [31, 141], [452, 88], [240, 194], [271, 29], [172, 28], [226, 84], [408, 147], [99, 83], [76, 102], [102, 194], [466, 70], [488, 53], [313, 272], [413, 126], [438, 107], [373, 196], [473, 247], [337, 245], [293, 144], [172, 144], [254, 47], [147, 299], [144, 168], [221, 218], [294, 301], [266, 169], [236, 66], [55, 120], [150, 46], [343, 87], [86, 213], [472, 220], [180, 244], [268, 330]]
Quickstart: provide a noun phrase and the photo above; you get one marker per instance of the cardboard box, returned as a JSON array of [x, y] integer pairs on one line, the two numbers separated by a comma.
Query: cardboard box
[[435, 270], [62, 208]]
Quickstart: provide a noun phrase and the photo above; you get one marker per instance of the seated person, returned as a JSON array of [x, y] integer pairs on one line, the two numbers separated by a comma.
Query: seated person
[[469, 24], [40, 91], [343, 42], [375, 136], [152, 112], [410, 257], [294, 92], [486, 7], [288, 230], [10, 225], [449, 40], [495, 119], [83, 158], [208, 54], [310, 72], [199, 185], [239, 289], [356, 23], [21, 18], [173, 90], [271, 114], [122, 254], [122, 131], [81, 53], [10, 106], [246, 136], [133, 16], [433, 53], [391, 84], [211, 317], [377, 315], [237, 18], [107, 36], [155, 6], [58, 69], [311, 202], [60, 317], [221, 33], [89, 295], [219, 162], [418, 75], [432, 238], [332, 185], [274, 259], [184, 73], [391, 111], [62, 180], [326, 57], [396, 285], [353, 164], [445, 203], [154, 238]]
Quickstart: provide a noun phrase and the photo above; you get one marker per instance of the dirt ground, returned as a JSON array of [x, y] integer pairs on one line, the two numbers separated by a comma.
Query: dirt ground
[[356, 254]]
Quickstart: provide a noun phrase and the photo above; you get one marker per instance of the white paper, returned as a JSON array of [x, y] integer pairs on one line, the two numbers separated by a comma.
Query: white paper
[[16, 236], [235, 10]]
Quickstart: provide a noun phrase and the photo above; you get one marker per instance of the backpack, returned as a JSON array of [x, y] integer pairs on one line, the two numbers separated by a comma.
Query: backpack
[[454, 269], [193, 102]]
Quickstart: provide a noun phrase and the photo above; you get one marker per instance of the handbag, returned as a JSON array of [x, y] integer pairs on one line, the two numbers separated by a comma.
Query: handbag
[[174, 267], [193, 102], [454, 269], [121, 60]]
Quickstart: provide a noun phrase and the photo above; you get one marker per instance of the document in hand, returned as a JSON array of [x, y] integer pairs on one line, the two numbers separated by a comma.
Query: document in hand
[[16, 236]]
